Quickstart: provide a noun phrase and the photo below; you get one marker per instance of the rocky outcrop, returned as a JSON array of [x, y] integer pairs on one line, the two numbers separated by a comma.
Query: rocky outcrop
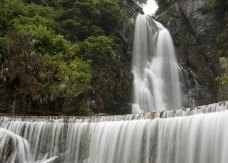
[[194, 29]]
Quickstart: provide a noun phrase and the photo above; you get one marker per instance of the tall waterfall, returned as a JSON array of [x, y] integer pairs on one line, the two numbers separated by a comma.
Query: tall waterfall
[[155, 69], [193, 135]]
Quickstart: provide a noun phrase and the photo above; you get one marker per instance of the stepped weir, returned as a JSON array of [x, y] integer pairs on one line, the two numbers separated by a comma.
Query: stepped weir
[[192, 135]]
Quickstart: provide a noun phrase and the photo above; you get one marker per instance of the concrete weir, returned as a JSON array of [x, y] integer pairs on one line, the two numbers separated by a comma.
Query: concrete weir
[[192, 135]]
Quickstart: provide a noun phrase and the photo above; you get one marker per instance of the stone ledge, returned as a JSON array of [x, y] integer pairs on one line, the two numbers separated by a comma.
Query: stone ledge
[[216, 107]]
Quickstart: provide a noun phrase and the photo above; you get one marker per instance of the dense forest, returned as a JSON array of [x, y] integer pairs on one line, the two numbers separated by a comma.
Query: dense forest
[[57, 51]]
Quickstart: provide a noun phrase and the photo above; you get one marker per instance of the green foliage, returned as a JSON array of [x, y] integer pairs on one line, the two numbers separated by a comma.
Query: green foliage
[[101, 50], [84, 111], [110, 14], [223, 80], [222, 43], [79, 19], [39, 63], [58, 49], [43, 77], [73, 76], [108, 70]]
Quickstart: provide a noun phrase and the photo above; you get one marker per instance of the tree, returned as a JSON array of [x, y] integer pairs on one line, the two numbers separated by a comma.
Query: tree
[[37, 64], [108, 71]]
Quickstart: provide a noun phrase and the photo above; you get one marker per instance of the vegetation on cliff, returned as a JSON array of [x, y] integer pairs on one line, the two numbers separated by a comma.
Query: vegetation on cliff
[[52, 51]]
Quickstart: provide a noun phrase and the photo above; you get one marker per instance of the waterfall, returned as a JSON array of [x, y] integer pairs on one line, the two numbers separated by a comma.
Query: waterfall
[[156, 83], [192, 135]]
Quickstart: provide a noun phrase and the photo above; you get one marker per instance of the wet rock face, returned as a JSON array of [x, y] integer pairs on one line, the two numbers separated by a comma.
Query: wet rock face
[[193, 30]]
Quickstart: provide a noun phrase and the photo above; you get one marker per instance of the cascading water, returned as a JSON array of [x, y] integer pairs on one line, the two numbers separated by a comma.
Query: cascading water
[[193, 135], [155, 69], [15, 149]]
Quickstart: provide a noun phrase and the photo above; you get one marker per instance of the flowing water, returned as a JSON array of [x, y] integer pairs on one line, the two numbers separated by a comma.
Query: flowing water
[[193, 135], [156, 72]]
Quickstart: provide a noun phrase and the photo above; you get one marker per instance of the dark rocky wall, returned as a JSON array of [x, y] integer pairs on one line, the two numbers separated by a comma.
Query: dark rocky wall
[[194, 30]]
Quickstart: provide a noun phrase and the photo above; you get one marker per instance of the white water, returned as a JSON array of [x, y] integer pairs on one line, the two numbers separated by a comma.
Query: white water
[[15, 149], [15, 146], [178, 136], [155, 68]]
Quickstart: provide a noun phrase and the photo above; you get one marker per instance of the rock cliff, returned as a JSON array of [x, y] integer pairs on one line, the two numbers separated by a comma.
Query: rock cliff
[[194, 28]]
